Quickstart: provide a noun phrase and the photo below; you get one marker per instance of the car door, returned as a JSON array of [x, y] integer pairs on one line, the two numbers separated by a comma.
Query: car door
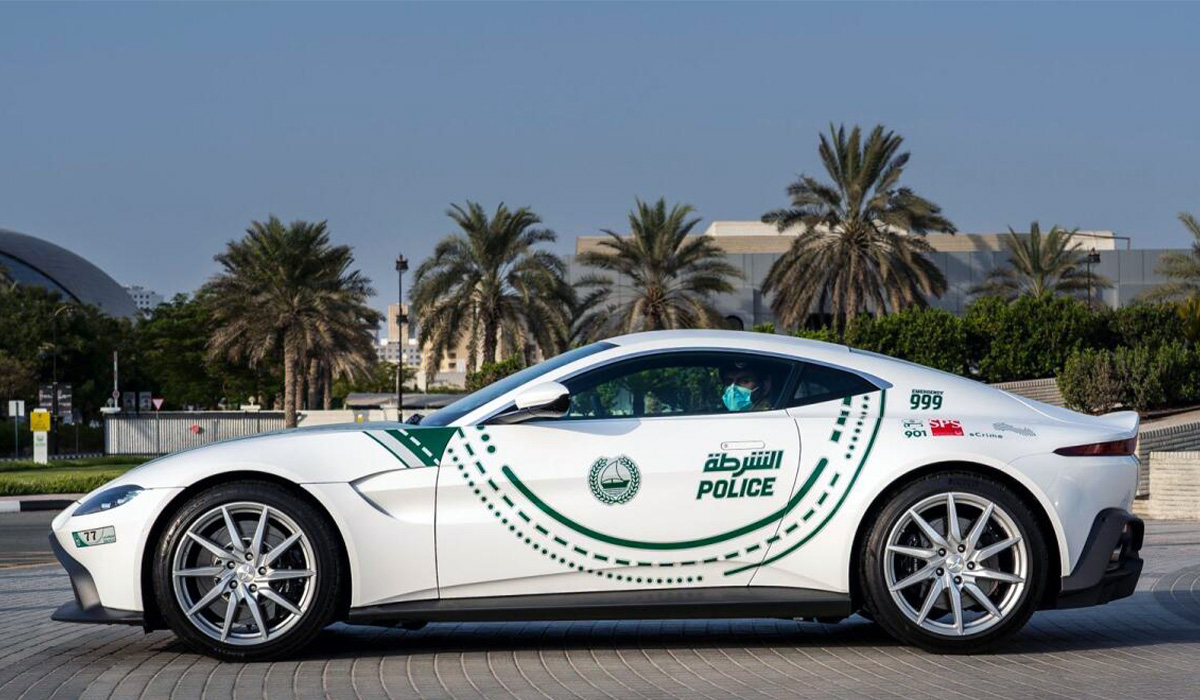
[[838, 413], [648, 482]]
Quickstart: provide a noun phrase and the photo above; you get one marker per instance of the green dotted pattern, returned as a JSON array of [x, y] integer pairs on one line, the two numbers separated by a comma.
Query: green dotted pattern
[[521, 530], [783, 533]]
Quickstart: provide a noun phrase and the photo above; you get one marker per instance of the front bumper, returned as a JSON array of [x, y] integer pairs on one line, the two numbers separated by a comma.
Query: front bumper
[[1109, 565], [86, 607]]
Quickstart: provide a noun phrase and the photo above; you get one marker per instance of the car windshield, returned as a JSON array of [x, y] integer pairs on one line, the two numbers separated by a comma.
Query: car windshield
[[470, 402]]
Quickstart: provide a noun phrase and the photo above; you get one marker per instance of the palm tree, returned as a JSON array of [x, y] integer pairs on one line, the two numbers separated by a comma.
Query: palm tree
[[287, 291], [590, 310], [672, 276], [859, 248], [1183, 269], [491, 282], [1041, 264]]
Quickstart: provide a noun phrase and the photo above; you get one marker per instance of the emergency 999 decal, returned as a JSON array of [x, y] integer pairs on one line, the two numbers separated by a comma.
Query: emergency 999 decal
[[925, 400], [738, 485]]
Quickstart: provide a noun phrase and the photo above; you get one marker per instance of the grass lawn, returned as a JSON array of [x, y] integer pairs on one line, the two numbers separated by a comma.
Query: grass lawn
[[25, 478]]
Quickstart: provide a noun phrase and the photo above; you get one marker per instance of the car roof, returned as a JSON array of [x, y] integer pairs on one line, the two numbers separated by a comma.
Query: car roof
[[747, 339]]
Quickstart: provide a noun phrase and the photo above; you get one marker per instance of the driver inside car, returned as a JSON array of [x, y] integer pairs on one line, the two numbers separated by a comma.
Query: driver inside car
[[746, 388]]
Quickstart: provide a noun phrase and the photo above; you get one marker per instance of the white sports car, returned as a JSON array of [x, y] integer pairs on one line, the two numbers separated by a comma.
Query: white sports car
[[657, 475]]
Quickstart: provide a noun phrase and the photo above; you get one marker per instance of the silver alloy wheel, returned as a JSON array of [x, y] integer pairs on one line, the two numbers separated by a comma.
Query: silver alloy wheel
[[956, 564], [244, 573]]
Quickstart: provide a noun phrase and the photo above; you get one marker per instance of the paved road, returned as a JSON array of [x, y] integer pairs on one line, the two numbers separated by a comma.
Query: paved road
[[1145, 646], [23, 538]]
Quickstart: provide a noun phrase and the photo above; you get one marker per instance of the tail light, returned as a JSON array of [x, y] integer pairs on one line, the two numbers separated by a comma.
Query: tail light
[[1116, 448]]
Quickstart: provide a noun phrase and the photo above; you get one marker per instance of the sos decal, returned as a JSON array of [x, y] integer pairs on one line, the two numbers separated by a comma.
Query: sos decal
[[738, 485], [925, 400]]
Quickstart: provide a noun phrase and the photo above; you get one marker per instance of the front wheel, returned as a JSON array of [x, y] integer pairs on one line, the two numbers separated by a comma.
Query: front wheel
[[247, 571], [955, 563]]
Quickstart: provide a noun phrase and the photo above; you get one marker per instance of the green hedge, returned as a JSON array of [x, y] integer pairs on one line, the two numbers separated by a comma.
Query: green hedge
[[930, 337], [1143, 378], [1142, 356], [491, 372]]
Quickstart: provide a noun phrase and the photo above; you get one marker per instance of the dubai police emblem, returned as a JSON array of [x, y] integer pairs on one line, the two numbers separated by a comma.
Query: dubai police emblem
[[614, 479]]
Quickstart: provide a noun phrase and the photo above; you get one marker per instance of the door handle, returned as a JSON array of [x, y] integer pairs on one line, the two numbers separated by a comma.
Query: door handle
[[743, 445]]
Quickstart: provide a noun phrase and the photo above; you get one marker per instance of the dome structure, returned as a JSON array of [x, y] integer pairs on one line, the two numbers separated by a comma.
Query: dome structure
[[29, 260]]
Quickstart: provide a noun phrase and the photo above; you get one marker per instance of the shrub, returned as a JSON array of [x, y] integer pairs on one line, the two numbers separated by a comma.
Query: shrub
[[1150, 325], [493, 372], [1029, 338], [827, 335], [1154, 377], [930, 337], [1088, 382], [1142, 378]]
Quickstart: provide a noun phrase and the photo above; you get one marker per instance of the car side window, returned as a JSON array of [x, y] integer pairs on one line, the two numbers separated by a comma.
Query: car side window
[[679, 383], [818, 383]]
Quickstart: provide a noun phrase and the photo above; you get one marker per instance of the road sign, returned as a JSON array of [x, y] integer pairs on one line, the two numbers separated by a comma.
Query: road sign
[[144, 401], [39, 420], [45, 396], [158, 402], [64, 399], [16, 409], [129, 401]]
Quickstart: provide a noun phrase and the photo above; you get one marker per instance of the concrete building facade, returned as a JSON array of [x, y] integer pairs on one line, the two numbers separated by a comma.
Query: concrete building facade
[[965, 259]]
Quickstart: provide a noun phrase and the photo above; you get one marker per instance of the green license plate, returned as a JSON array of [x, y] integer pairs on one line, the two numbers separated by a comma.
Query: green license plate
[[91, 538]]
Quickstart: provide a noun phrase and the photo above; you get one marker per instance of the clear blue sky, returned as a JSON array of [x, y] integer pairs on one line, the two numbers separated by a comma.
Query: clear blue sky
[[145, 136]]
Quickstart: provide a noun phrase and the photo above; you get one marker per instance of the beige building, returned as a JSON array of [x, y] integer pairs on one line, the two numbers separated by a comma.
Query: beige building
[[965, 259], [755, 237], [451, 367]]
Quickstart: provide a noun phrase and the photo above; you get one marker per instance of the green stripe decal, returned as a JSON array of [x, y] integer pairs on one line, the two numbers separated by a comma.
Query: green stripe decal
[[423, 453], [849, 487], [384, 446], [685, 544]]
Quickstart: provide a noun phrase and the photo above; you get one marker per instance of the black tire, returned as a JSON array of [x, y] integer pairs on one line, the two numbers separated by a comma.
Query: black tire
[[879, 600], [323, 602]]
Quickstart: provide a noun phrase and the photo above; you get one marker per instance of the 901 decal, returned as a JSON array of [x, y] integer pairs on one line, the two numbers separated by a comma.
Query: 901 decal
[[925, 400]]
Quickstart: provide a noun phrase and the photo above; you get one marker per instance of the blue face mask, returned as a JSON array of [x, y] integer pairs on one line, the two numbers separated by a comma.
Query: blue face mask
[[737, 398]]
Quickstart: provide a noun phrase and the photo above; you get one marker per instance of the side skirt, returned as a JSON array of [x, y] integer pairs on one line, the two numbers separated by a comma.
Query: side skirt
[[719, 602]]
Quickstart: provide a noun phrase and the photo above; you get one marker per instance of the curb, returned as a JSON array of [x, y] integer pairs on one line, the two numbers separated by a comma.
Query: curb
[[17, 505]]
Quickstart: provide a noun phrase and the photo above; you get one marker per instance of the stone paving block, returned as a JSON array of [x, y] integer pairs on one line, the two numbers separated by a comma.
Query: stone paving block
[[1147, 645]]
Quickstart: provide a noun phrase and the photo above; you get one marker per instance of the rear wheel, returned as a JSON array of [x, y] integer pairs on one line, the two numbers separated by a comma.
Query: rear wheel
[[955, 563], [247, 571]]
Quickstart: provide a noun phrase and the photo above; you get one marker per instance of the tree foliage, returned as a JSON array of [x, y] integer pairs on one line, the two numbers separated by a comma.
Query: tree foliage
[[671, 274], [288, 291], [859, 247], [1039, 264], [1183, 269], [492, 284]]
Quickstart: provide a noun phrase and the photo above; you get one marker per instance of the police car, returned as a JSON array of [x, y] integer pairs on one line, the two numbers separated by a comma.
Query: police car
[[656, 475]]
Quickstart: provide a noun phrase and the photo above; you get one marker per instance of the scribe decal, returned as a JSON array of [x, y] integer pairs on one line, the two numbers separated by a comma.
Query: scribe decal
[[1018, 429], [736, 486]]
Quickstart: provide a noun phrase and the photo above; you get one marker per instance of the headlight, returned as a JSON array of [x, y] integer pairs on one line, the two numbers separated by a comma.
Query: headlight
[[108, 499]]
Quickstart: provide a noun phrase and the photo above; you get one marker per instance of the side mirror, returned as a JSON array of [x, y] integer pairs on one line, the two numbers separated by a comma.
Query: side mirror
[[545, 400]]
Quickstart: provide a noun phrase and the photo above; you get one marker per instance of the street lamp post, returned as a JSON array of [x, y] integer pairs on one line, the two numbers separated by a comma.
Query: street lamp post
[[401, 319], [1090, 259], [54, 377]]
